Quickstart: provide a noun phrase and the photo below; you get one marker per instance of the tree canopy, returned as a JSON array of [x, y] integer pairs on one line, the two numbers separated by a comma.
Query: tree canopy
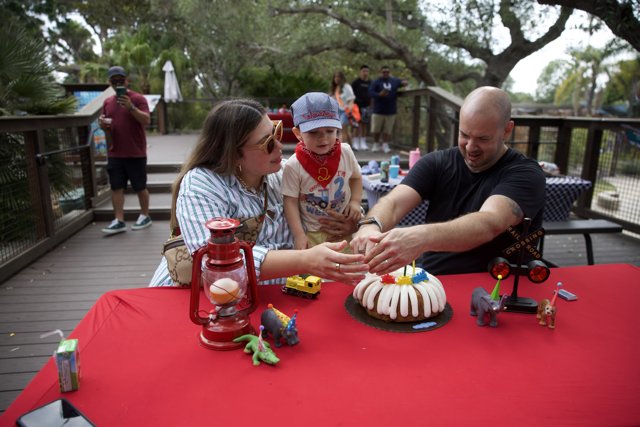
[[281, 48]]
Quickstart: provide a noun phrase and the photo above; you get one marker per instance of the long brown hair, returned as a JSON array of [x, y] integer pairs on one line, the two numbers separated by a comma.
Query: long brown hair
[[224, 131], [333, 82]]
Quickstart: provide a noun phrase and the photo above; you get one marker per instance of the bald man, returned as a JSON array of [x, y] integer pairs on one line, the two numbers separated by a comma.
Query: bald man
[[475, 192]]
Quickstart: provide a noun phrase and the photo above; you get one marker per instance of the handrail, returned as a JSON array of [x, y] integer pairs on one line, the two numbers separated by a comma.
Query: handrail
[[42, 157]]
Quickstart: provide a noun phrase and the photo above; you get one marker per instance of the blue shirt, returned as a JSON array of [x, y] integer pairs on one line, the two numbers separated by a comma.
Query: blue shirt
[[388, 104], [204, 195]]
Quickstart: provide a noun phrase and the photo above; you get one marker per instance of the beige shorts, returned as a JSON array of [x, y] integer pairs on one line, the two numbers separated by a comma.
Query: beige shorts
[[382, 123], [317, 237]]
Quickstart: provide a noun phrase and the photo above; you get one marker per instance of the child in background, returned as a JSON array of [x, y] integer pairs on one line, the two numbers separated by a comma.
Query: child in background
[[322, 174]]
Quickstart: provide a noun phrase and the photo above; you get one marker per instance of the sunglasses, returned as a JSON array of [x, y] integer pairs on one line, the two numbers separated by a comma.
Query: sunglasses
[[269, 142], [117, 81]]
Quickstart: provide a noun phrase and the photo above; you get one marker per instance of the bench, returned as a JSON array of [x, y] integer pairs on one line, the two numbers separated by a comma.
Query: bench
[[586, 227]]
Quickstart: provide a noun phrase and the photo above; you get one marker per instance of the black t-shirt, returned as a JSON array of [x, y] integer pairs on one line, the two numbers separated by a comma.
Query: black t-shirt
[[443, 178], [361, 90]]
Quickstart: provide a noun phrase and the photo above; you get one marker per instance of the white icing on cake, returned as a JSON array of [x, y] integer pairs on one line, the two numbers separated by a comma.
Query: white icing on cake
[[400, 301]]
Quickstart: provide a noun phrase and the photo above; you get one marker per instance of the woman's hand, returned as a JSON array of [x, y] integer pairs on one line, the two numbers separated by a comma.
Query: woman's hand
[[337, 225], [327, 262]]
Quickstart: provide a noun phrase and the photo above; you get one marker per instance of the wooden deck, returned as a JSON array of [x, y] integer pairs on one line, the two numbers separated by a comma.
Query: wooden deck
[[56, 291]]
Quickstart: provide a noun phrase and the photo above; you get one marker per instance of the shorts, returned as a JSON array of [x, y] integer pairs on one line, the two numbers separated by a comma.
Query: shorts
[[123, 169], [382, 123], [316, 238], [365, 115], [344, 119]]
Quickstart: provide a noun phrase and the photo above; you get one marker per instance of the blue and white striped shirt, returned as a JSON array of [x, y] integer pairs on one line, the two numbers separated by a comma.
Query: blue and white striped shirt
[[204, 195]]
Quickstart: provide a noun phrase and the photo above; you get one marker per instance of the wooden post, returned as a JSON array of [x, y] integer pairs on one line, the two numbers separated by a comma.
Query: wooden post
[[563, 144]]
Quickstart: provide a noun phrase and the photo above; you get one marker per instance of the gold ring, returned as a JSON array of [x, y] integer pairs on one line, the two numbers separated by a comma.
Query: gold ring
[[338, 267]]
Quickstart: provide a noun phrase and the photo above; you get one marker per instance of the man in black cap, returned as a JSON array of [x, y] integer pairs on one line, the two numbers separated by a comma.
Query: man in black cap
[[124, 117]]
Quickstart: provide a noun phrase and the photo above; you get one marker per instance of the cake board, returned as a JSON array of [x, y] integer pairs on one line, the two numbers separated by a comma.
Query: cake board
[[359, 313]]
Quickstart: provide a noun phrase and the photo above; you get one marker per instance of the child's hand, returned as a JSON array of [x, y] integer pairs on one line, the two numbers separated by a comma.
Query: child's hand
[[352, 211], [301, 242]]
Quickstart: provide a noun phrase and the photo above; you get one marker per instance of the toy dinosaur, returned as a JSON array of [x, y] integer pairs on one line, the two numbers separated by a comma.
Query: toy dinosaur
[[261, 349]]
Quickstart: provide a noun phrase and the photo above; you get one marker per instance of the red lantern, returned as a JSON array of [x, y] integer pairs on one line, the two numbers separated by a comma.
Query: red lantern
[[230, 283]]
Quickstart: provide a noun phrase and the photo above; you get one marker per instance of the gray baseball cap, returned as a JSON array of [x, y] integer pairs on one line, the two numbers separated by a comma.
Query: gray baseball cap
[[117, 71], [315, 110]]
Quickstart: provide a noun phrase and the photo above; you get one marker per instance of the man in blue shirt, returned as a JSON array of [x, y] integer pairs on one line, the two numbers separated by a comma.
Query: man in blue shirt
[[384, 92]]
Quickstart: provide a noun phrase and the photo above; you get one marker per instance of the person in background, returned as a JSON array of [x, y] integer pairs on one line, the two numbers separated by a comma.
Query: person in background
[[235, 171], [343, 94], [123, 119], [363, 100], [475, 192], [384, 92], [322, 174]]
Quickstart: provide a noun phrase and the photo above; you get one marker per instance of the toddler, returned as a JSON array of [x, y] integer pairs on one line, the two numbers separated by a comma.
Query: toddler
[[322, 174]]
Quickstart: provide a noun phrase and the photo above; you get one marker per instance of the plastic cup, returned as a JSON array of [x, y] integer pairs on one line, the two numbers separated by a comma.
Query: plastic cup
[[394, 170]]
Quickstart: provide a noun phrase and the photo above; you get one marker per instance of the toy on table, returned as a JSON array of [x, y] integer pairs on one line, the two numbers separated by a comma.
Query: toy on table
[[371, 168], [547, 311], [483, 304], [280, 326], [261, 349], [304, 285], [536, 270]]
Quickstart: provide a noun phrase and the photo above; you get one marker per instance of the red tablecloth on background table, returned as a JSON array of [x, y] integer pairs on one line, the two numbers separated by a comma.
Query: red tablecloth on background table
[[142, 366]]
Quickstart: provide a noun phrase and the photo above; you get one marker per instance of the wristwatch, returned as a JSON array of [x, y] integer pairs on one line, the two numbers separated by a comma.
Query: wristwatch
[[370, 220]]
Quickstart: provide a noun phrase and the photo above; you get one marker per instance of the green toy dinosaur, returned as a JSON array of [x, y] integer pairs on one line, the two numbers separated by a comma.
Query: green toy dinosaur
[[261, 349]]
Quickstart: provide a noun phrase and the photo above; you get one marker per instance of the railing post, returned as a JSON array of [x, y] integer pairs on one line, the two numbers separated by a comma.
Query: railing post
[[432, 115], [87, 162], [563, 144], [590, 165], [533, 144], [415, 124], [39, 181]]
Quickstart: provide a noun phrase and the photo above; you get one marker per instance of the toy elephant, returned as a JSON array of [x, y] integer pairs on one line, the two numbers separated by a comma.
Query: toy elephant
[[482, 305]]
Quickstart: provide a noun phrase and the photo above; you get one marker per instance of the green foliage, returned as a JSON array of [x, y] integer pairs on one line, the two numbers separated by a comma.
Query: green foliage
[[271, 83], [26, 87], [26, 83]]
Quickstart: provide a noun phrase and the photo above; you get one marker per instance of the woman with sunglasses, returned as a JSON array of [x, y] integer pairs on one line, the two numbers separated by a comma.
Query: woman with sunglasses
[[235, 171]]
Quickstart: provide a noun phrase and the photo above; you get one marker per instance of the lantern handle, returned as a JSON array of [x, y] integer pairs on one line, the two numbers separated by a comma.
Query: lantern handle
[[194, 302]]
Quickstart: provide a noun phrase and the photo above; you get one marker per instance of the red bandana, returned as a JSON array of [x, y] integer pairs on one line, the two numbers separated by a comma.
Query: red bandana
[[323, 167]]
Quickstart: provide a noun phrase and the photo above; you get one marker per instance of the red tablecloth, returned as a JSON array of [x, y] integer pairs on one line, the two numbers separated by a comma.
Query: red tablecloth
[[142, 366]]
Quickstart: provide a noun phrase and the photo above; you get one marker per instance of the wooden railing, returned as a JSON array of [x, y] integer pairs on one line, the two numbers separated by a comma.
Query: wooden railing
[[50, 183], [598, 149]]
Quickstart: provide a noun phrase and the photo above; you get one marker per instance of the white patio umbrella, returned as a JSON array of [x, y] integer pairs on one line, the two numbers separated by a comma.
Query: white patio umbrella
[[171, 87]]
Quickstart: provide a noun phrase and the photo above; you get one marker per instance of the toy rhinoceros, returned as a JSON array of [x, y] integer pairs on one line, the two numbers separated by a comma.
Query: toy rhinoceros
[[279, 326]]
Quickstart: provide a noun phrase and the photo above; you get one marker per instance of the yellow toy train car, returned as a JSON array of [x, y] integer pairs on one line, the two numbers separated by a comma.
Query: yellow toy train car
[[304, 285]]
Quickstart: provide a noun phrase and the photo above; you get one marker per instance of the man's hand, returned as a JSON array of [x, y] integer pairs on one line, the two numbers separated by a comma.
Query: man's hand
[[125, 101], [104, 122], [389, 251]]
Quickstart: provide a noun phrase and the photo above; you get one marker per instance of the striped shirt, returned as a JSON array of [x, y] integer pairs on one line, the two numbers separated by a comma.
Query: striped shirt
[[204, 195]]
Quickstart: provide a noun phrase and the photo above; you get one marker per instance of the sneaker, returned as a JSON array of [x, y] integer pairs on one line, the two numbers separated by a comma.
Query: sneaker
[[354, 145], [142, 222], [363, 144], [115, 227], [385, 148], [375, 148]]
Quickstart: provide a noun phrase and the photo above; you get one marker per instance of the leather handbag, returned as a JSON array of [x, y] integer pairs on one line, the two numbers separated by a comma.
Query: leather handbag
[[179, 261]]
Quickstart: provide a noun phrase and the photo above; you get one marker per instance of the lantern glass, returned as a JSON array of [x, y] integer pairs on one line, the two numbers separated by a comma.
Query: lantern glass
[[225, 288]]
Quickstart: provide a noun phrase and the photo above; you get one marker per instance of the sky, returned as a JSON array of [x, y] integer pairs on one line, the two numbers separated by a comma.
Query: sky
[[525, 74]]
